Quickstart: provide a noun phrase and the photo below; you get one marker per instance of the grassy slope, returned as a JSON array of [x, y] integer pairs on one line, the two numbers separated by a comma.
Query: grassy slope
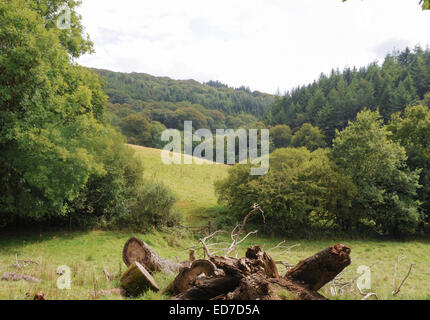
[[88, 253], [193, 184]]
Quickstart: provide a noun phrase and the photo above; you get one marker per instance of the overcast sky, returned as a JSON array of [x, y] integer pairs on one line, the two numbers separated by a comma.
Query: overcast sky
[[267, 45]]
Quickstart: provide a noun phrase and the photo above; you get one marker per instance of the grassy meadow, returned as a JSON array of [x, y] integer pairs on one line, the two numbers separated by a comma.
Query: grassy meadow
[[192, 184], [89, 253]]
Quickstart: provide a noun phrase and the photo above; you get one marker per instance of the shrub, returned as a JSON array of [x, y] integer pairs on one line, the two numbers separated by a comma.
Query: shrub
[[151, 207], [302, 190]]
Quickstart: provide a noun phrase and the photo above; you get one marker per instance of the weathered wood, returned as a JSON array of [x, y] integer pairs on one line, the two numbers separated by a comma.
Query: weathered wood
[[256, 277], [9, 276], [252, 277], [256, 261], [321, 268], [137, 250], [269, 265], [136, 279], [188, 276]]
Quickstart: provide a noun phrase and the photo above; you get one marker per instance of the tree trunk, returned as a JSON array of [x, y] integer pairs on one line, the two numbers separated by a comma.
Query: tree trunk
[[137, 250], [136, 279], [321, 268]]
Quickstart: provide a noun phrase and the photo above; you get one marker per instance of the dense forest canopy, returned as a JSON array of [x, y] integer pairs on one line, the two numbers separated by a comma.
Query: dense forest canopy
[[141, 106], [137, 88], [331, 101]]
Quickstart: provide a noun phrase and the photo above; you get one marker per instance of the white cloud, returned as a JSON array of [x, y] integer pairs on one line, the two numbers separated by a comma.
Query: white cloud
[[267, 45]]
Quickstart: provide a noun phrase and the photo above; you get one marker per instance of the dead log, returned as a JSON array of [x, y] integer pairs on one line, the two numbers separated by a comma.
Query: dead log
[[188, 275], [9, 276], [137, 250], [136, 279], [256, 277], [319, 269], [255, 261], [269, 265]]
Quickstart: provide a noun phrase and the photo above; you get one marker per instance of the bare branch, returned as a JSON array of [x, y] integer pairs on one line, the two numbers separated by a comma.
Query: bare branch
[[203, 242], [108, 276], [277, 246], [285, 264], [403, 281], [340, 284], [368, 295], [395, 272], [235, 236]]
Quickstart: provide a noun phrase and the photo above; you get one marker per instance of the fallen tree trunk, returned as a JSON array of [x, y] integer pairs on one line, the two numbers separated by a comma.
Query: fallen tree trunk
[[256, 277], [9, 276], [137, 250], [321, 268], [136, 279]]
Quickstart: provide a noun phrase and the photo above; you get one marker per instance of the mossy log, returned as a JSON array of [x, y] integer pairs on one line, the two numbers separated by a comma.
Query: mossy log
[[136, 280]]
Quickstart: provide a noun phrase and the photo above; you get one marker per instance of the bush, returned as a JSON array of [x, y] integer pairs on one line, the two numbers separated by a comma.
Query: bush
[[151, 207], [303, 190]]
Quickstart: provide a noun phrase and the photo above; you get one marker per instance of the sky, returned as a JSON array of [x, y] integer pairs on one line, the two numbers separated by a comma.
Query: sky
[[270, 46]]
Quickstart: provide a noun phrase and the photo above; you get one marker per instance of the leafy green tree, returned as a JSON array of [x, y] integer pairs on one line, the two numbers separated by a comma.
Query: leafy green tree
[[137, 129], [157, 129], [426, 100], [303, 191], [281, 136], [412, 130], [387, 189], [50, 111], [310, 137]]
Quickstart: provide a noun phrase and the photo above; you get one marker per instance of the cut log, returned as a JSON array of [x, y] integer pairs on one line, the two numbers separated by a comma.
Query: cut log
[[9, 276], [188, 276], [319, 269], [136, 280], [137, 250]]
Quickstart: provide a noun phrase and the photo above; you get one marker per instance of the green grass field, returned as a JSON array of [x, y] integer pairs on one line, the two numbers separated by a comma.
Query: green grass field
[[192, 184], [89, 253]]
